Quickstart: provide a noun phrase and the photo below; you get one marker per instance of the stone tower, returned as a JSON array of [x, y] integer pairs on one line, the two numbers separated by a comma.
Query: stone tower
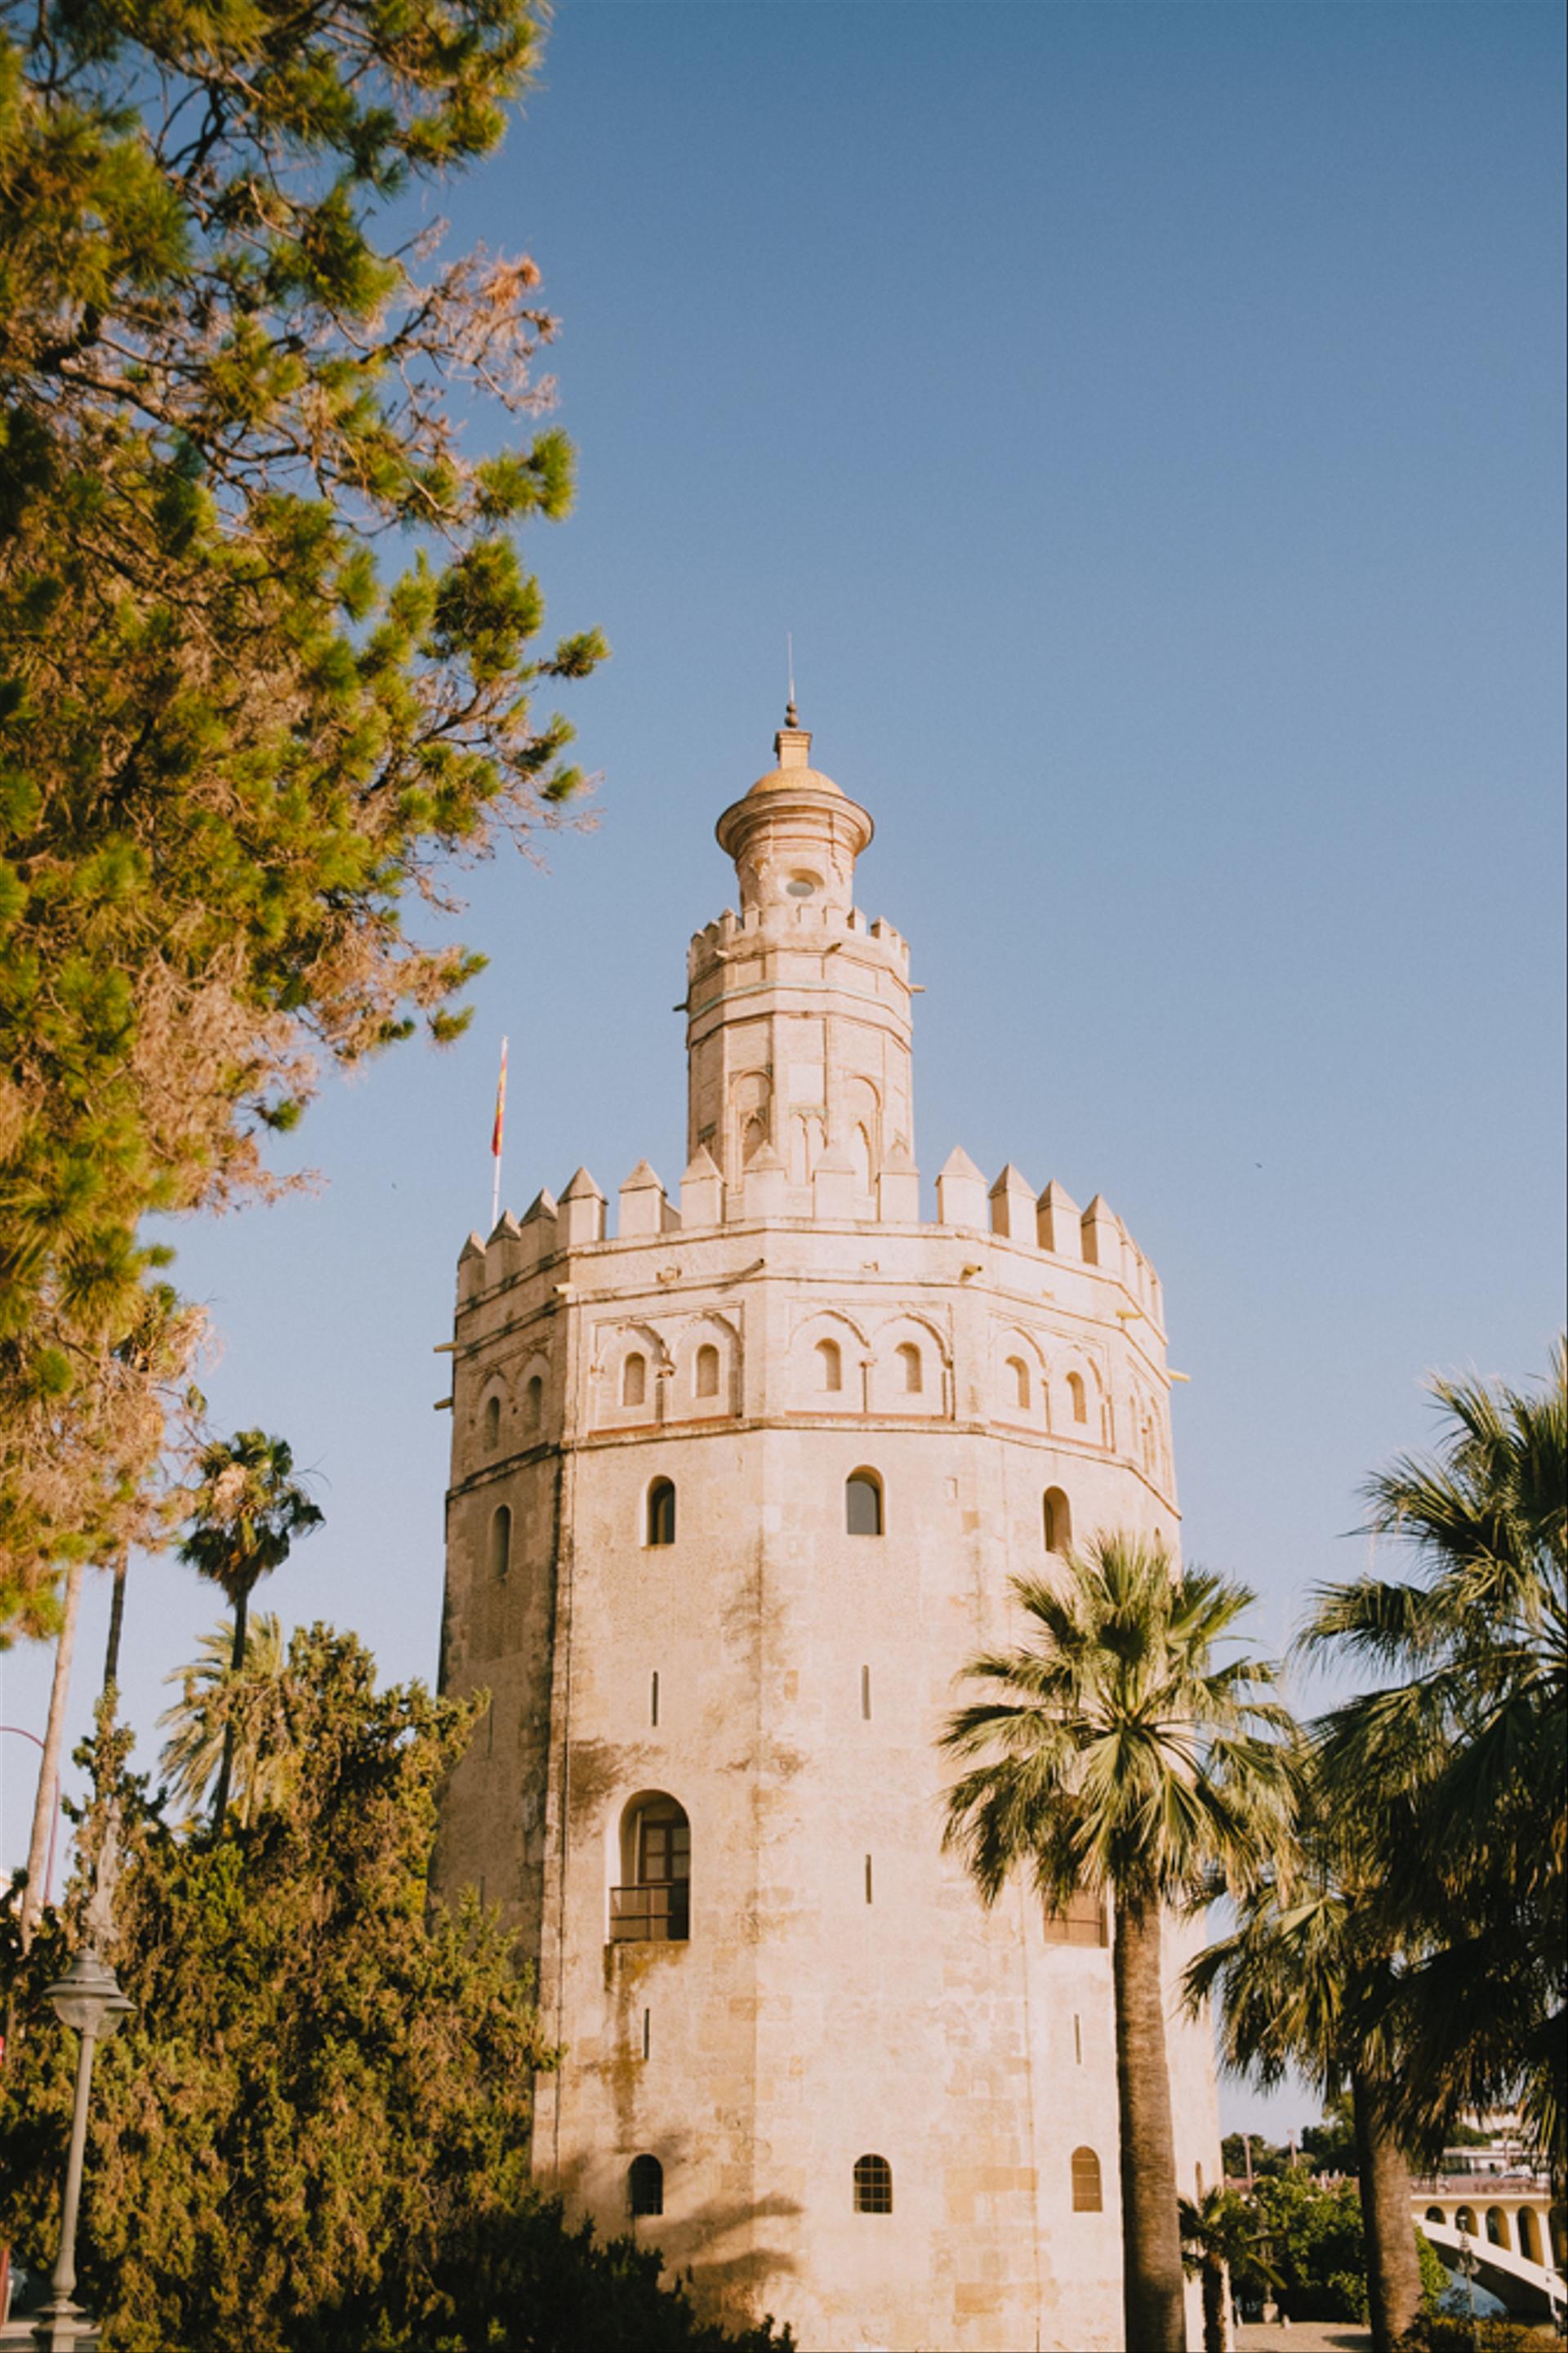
[[734, 1494]]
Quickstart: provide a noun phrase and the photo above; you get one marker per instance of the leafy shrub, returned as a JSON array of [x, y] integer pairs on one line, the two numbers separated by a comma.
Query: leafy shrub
[[1455, 2332]]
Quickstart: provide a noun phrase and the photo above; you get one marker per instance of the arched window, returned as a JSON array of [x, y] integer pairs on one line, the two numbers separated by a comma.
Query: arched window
[[652, 1905], [1086, 2192], [633, 1380], [1077, 1397], [1018, 1373], [661, 1512], [910, 1358], [863, 1503], [706, 1371], [492, 1421], [1557, 2232], [830, 1365], [645, 2186], [533, 1402], [1464, 2219], [500, 1540], [873, 2186], [1529, 2234], [1497, 2226], [1435, 2214], [1056, 1515]]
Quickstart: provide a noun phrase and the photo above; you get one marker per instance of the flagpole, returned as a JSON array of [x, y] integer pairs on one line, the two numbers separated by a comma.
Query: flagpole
[[497, 1135]]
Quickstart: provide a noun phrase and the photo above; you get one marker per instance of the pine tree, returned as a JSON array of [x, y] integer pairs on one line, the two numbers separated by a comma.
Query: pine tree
[[236, 742]]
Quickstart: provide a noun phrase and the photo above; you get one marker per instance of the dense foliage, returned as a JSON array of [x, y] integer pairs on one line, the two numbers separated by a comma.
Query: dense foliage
[[313, 2133], [234, 738], [1455, 2332], [1315, 2241]]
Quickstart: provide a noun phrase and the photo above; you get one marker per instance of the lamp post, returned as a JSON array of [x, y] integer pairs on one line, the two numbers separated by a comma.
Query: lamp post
[[88, 1999], [1467, 2266]]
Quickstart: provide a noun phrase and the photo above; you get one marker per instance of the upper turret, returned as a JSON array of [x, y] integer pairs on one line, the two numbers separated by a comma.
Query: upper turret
[[794, 837], [798, 1011]]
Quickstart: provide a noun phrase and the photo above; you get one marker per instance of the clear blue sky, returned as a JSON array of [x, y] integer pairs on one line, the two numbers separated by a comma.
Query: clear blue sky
[[1149, 421]]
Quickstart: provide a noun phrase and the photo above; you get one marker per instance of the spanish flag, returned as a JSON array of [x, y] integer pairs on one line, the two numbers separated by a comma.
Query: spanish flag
[[498, 1130]]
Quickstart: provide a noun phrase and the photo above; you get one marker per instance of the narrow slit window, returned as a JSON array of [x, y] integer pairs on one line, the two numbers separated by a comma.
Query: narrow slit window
[[829, 1366], [913, 1370], [661, 1512], [647, 2032], [1077, 2038], [1056, 1515], [863, 1503], [873, 2186], [1018, 1373], [533, 1402], [492, 1421], [1077, 1397], [653, 1697], [500, 1540], [707, 1372], [645, 2186], [1086, 2190], [866, 1693], [868, 1879], [633, 1380]]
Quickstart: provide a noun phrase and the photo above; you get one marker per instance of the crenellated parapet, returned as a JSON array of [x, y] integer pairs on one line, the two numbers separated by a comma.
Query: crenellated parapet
[[800, 922], [1047, 1227]]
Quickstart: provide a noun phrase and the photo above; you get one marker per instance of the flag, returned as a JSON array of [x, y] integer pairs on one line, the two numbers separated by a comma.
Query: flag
[[498, 1130]]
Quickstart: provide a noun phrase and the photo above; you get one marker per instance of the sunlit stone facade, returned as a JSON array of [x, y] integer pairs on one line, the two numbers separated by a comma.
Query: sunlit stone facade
[[734, 1492]]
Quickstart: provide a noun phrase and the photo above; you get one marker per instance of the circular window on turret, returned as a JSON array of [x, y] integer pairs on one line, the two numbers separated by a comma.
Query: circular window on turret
[[803, 886]]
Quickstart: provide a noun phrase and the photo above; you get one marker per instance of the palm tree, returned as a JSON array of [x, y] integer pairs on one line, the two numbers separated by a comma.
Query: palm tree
[[1306, 1982], [1125, 1757], [1454, 1764], [245, 1513], [216, 1700], [1220, 2235]]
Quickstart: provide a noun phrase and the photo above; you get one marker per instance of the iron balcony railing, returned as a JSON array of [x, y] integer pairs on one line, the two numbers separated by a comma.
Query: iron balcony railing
[[659, 1915]]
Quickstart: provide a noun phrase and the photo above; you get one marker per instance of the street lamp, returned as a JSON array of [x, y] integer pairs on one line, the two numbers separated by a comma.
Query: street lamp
[[88, 1998], [1468, 2266]]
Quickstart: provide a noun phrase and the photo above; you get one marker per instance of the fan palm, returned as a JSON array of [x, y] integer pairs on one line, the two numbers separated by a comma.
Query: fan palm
[[1220, 2234], [1467, 1742], [1306, 1982], [1123, 1757], [245, 1512], [216, 1698]]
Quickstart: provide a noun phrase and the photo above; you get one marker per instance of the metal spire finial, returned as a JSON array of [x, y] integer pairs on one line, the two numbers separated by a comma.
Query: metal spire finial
[[791, 720]]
